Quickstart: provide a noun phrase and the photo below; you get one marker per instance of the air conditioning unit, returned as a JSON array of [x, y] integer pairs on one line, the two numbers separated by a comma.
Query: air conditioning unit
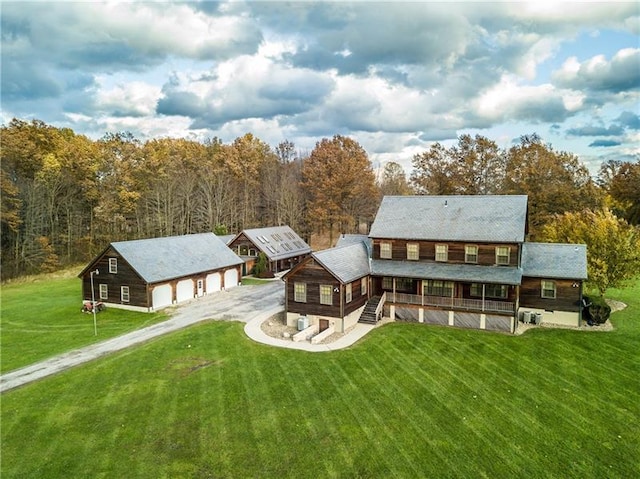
[[303, 323], [537, 318], [526, 317]]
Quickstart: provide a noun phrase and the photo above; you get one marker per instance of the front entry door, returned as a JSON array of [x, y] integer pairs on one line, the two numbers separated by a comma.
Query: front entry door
[[200, 287], [324, 324]]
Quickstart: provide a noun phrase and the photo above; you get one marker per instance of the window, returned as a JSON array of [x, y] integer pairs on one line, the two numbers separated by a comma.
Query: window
[[385, 250], [405, 284], [104, 291], [387, 283], [300, 292], [470, 254], [413, 251], [441, 252], [548, 289], [490, 290], [326, 294], [438, 288], [349, 293], [503, 254], [113, 265], [124, 294], [363, 286]]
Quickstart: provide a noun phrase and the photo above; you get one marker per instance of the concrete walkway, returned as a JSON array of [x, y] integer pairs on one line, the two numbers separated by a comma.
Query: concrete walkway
[[249, 304]]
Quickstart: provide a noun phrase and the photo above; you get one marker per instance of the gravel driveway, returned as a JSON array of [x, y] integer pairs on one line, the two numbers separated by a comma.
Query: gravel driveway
[[238, 304]]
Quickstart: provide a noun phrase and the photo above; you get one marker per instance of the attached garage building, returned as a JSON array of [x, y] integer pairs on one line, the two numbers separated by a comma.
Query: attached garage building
[[151, 274]]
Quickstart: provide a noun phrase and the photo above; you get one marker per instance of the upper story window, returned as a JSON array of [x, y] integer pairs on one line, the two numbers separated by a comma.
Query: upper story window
[[413, 251], [349, 293], [300, 292], [548, 289], [470, 254], [442, 252], [385, 250], [503, 255], [113, 265], [326, 294]]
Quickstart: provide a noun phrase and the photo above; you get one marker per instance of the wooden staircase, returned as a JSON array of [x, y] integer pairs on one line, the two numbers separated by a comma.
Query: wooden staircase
[[371, 313]]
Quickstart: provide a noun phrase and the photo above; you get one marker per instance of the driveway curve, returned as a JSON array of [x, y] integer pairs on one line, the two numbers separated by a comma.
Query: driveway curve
[[243, 303]]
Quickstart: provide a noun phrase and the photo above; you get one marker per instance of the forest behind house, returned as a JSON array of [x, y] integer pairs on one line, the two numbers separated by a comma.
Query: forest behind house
[[65, 197]]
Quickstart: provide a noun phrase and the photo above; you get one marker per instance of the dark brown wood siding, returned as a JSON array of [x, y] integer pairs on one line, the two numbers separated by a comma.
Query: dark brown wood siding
[[456, 251], [567, 295], [358, 299], [125, 276], [313, 275]]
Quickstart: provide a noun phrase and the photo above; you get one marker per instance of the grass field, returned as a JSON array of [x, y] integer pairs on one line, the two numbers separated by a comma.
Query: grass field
[[41, 317], [407, 401]]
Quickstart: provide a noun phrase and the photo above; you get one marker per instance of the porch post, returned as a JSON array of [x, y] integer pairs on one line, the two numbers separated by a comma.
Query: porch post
[[483, 286], [422, 292], [394, 289]]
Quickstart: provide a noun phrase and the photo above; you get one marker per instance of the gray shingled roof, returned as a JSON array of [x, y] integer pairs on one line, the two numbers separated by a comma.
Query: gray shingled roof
[[347, 239], [160, 259], [347, 263], [278, 242], [226, 239], [490, 218], [450, 272], [554, 260]]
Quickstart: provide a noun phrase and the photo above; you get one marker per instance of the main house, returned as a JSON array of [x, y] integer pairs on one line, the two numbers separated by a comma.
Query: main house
[[150, 274], [450, 260], [281, 245]]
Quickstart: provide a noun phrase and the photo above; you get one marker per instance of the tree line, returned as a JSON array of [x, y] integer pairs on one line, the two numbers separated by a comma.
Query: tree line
[[65, 197]]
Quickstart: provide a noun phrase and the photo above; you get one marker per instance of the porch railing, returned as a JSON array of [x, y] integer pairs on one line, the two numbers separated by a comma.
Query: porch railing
[[454, 303]]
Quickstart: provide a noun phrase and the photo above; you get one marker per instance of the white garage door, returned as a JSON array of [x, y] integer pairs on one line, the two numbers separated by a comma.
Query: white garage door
[[213, 283], [230, 278], [184, 291], [161, 296]]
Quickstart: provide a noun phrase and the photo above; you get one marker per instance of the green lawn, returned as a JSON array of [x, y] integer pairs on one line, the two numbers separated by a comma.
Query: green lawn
[[408, 401], [41, 317]]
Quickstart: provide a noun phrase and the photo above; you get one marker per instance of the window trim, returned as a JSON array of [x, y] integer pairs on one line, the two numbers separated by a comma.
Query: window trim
[[413, 251], [386, 250], [446, 253], [430, 289], [389, 283], [490, 290], [326, 299], [113, 265], [106, 291], [467, 254], [348, 293], [543, 289], [123, 294], [363, 287], [300, 295], [498, 255]]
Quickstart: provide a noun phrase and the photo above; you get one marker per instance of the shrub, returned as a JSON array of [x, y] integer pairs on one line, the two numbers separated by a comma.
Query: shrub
[[597, 310]]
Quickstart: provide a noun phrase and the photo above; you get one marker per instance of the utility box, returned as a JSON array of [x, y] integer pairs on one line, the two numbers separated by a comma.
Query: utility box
[[526, 317], [303, 323]]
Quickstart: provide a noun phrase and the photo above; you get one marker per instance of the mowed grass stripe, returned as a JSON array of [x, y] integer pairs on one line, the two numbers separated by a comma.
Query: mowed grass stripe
[[458, 403], [411, 412]]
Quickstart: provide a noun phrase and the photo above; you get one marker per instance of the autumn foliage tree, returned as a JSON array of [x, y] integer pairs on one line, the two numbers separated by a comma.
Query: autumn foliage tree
[[340, 184], [613, 246]]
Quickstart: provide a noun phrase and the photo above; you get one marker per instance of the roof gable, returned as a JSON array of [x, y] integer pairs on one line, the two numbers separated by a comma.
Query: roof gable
[[481, 218], [554, 260], [346, 263], [160, 259]]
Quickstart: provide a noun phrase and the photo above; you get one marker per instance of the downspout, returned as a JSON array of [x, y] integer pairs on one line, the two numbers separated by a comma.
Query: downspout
[[342, 305]]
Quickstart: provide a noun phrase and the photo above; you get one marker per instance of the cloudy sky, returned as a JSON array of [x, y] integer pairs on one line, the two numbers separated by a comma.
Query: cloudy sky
[[394, 76]]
